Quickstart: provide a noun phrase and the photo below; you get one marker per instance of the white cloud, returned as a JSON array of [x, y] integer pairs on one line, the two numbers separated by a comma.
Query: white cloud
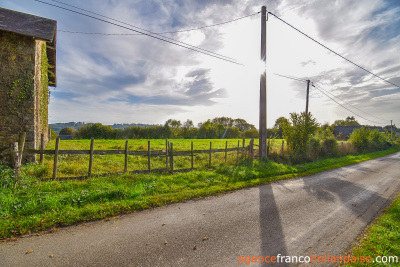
[[104, 78]]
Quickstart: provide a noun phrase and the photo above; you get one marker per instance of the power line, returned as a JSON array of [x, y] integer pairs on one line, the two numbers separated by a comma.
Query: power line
[[355, 64], [100, 33], [141, 29], [326, 92], [346, 107], [187, 30], [352, 105], [290, 77], [159, 34], [161, 38]]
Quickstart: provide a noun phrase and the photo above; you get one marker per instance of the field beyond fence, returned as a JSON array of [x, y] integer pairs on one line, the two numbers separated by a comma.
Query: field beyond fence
[[84, 158]]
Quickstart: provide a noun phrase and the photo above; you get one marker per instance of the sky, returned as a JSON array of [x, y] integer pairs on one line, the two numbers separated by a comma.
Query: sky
[[139, 79]]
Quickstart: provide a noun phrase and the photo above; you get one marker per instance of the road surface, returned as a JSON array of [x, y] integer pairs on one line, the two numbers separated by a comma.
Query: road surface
[[314, 215]]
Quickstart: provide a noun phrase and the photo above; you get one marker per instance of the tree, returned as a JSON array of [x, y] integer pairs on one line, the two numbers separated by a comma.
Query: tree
[[67, 131], [298, 132], [206, 130], [278, 126], [243, 125], [232, 132], [174, 126], [252, 133], [349, 121], [188, 130], [95, 130], [225, 121]]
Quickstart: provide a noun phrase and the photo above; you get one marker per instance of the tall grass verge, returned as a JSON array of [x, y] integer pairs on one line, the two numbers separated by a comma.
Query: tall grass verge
[[382, 238], [29, 204]]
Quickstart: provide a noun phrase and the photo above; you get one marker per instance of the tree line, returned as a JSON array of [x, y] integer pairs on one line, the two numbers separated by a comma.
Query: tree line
[[219, 127]]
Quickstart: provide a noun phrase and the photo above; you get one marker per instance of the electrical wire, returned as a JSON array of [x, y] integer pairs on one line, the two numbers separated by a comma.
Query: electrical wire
[[289, 77], [100, 33], [346, 107], [351, 105], [161, 38], [187, 30], [141, 29], [355, 64]]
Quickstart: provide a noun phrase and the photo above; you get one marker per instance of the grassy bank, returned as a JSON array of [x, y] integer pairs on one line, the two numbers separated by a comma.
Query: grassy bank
[[382, 238], [31, 204]]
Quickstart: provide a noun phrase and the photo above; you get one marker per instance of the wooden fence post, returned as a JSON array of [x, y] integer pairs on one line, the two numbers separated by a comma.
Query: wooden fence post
[[268, 146], [56, 157], [244, 141], [191, 155], [171, 157], [21, 145], [237, 157], [226, 151], [209, 158], [148, 155], [14, 157], [41, 149], [126, 157], [283, 147], [166, 154], [91, 157], [251, 150]]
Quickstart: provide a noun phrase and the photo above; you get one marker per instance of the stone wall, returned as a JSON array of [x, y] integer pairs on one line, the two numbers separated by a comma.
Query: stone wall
[[20, 88]]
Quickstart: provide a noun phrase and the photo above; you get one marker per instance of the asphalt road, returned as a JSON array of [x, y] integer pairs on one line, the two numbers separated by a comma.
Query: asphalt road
[[318, 214]]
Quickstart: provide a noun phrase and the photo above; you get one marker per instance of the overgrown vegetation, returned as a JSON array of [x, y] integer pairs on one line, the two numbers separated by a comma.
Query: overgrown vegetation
[[369, 140], [44, 89], [30, 204], [382, 238]]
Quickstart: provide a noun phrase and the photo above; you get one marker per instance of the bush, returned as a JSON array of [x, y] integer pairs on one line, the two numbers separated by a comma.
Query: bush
[[298, 134], [329, 147], [252, 133], [67, 131], [359, 139], [95, 130], [365, 140], [315, 148]]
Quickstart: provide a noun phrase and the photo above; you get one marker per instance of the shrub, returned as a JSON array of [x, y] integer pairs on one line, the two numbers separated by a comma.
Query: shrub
[[329, 147], [365, 140], [315, 148], [298, 133], [66, 131], [359, 139]]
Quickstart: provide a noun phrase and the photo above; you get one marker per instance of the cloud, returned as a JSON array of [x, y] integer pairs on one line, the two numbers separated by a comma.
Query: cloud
[[148, 78]]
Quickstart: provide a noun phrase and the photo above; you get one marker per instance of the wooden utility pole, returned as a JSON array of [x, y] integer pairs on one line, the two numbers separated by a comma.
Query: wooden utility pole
[[263, 87], [308, 94], [391, 130]]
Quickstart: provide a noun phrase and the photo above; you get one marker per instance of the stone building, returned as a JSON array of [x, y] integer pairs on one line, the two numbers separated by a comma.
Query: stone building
[[27, 69]]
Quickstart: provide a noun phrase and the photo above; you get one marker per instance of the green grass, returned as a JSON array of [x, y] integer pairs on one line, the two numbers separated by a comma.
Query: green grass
[[31, 204], [382, 238]]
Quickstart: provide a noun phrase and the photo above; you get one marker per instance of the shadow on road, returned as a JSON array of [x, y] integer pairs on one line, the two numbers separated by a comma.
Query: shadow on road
[[335, 189], [272, 237]]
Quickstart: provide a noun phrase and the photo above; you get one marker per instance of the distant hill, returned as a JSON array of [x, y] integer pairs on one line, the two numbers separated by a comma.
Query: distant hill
[[61, 125], [74, 125]]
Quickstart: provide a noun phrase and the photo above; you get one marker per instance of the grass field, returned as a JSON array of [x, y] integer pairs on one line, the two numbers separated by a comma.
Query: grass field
[[30, 204], [77, 165]]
